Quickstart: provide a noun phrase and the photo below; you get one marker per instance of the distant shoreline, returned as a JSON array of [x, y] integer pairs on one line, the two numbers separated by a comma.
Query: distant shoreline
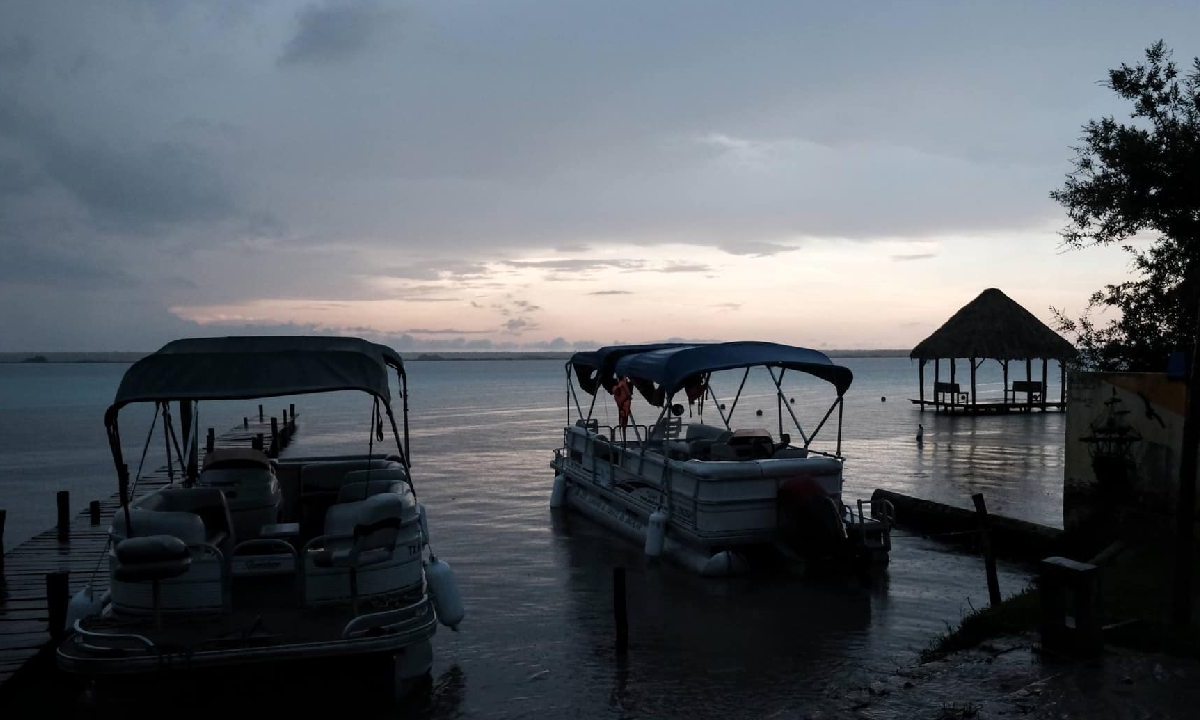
[[61, 358]]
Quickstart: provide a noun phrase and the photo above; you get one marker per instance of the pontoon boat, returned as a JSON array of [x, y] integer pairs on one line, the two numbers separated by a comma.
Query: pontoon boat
[[258, 560], [711, 497]]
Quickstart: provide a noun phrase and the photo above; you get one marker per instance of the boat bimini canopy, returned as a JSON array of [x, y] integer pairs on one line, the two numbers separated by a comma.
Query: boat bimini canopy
[[239, 368], [674, 368], [596, 368]]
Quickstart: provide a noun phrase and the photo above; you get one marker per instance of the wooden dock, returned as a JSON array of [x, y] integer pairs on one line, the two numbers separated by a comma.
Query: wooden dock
[[988, 407], [39, 576]]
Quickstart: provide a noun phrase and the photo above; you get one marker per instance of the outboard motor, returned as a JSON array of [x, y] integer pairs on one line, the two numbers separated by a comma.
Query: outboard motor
[[810, 520], [248, 481]]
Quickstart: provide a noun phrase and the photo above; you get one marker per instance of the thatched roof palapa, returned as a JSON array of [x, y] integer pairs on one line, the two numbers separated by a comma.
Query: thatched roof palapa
[[994, 326]]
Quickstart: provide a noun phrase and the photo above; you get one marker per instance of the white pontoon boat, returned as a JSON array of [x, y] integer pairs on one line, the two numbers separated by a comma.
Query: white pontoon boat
[[711, 497], [257, 560]]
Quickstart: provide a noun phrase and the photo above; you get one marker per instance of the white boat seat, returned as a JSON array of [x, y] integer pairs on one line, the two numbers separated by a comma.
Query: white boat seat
[[364, 531], [187, 527], [362, 484], [151, 558], [209, 504]]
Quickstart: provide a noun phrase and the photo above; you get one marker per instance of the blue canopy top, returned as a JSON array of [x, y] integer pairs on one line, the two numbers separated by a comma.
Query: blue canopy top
[[671, 368], [232, 368], [594, 368]]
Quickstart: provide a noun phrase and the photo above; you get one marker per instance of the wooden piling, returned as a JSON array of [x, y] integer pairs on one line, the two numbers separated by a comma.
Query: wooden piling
[[3, 518], [292, 413], [260, 413], [274, 451], [210, 442], [245, 423], [63, 500], [58, 594], [620, 611], [989, 557], [94, 512], [257, 442]]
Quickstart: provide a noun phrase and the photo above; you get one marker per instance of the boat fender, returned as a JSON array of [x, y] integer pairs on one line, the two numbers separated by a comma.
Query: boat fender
[[656, 533], [558, 495], [424, 521], [447, 602], [85, 603], [725, 564]]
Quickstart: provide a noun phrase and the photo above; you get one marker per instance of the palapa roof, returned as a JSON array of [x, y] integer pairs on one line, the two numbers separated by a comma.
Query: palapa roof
[[994, 326]]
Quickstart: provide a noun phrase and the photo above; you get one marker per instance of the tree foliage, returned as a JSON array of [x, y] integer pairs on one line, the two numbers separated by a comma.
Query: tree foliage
[[1135, 178]]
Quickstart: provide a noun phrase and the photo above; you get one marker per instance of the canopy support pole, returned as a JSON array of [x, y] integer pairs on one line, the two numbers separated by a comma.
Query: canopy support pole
[[404, 398], [841, 407], [779, 388], [717, 403], [739, 393]]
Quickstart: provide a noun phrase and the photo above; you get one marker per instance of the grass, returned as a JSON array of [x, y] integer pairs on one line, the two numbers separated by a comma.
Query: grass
[[1135, 591]]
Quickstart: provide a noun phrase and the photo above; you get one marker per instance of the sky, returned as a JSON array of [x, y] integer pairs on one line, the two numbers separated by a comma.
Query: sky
[[546, 175]]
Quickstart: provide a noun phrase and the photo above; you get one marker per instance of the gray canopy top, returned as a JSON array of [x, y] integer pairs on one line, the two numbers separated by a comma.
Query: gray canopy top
[[239, 368], [672, 368], [594, 368]]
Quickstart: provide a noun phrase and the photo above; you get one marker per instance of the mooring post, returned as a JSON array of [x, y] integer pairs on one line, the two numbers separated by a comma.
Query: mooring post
[[620, 611], [989, 557], [210, 441], [274, 437], [292, 413], [94, 512], [63, 500], [245, 423], [260, 413], [58, 594], [257, 442], [3, 517]]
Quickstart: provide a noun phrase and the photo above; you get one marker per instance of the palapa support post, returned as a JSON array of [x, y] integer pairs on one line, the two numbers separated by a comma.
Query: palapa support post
[[972, 384], [1028, 379], [94, 512], [58, 594], [1004, 364], [953, 395], [1045, 383], [1062, 383], [921, 384], [989, 555], [63, 500], [620, 611], [937, 378]]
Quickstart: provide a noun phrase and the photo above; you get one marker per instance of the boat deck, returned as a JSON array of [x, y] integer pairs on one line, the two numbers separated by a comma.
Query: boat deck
[[28, 571]]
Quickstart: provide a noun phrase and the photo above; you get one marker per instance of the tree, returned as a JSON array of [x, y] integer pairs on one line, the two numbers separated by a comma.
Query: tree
[[1133, 178]]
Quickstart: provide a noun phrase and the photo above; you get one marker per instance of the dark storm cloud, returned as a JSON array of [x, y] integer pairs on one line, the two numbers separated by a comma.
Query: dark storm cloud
[[125, 189], [332, 32]]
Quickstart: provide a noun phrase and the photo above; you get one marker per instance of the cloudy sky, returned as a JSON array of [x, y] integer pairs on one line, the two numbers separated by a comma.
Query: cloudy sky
[[545, 174]]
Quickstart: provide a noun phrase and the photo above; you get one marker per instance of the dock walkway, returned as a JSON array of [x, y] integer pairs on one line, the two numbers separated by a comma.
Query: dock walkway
[[34, 572]]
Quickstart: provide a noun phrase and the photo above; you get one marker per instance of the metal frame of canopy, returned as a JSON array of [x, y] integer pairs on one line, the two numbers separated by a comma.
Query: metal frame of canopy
[[673, 367], [250, 367]]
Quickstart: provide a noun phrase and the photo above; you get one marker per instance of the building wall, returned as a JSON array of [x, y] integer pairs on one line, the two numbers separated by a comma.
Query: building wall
[[1124, 432]]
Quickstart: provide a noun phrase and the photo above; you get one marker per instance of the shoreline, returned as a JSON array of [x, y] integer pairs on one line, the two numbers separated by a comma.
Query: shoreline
[[68, 358]]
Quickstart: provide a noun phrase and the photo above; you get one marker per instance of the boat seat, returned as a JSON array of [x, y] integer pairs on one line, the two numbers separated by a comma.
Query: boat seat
[[361, 484], [209, 504], [786, 453], [185, 526], [362, 533], [321, 483], [151, 558]]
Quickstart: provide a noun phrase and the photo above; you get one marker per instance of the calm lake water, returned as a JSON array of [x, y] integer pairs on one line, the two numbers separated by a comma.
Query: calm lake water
[[537, 585]]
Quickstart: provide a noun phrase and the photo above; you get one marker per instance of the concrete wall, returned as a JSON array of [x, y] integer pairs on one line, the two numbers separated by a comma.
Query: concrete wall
[[1122, 448]]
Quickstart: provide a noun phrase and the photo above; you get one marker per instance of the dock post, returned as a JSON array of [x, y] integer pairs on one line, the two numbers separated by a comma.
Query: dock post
[[989, 555], [245, 423], [260, 413], [292, 413], [257, 442], [94, 512], [620, 611], [211, 441], [58, 594], [953, 381], [3, 517], [274, 451], [63, 500]]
